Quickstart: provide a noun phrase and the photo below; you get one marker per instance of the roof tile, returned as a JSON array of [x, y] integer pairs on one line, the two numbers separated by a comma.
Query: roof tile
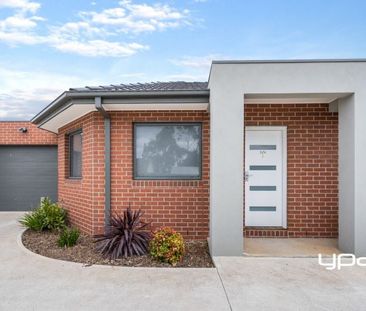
[[146, 87]]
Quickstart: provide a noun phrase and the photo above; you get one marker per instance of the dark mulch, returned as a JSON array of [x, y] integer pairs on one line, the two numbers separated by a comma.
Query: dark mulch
[[45, 243]]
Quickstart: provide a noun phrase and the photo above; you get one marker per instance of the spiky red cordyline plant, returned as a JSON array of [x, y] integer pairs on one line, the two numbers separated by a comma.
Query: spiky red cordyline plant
[[126, 236]]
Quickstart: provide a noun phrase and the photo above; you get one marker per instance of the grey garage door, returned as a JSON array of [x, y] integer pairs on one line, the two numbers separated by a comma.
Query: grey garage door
[[27, 173]]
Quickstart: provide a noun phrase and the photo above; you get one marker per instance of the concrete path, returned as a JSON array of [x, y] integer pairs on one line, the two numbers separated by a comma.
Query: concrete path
[[291, 284], [32, 282]]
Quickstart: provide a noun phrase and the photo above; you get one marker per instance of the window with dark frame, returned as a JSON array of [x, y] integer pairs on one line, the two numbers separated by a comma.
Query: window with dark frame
[[75, 156], [167, 150]]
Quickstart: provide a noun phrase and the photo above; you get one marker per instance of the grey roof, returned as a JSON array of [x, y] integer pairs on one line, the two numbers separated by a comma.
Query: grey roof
[[197, 91], [271, 61], [146, 87]]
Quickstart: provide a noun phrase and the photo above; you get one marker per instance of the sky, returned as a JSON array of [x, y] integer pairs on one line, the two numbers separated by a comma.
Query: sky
[[47, 46]]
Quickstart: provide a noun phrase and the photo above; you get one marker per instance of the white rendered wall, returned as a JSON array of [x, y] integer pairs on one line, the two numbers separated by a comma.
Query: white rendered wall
[[360, 171], [226, 170], [228, 84], [346, 113]]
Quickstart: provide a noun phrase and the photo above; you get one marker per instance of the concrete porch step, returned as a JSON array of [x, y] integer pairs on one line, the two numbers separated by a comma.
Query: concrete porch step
[[290, 247]]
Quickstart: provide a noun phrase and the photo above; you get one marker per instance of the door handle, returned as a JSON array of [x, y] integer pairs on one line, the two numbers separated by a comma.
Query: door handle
[[247, 175]]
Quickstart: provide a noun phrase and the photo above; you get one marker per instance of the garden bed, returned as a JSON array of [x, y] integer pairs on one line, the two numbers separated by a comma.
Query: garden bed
[[45, 244]]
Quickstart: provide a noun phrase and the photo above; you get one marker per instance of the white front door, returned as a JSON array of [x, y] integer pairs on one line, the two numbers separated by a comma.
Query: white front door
[[265, 176]]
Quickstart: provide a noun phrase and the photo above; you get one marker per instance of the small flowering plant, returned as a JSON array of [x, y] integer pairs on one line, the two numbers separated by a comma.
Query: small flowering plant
[[167, 245]]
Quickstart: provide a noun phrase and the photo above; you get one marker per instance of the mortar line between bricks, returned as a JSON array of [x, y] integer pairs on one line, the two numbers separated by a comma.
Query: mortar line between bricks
[[223, 287]]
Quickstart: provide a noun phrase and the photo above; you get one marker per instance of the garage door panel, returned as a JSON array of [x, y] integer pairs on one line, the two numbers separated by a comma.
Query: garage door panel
[[27, 173]]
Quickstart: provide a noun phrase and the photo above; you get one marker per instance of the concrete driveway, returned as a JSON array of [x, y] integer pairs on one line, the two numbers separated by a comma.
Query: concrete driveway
[[32, 282]]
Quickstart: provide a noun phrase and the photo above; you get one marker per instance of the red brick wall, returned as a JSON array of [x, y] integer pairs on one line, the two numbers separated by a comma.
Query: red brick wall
[[10, 135], [181, 204], [184, 205], [76, 195], [312, 139]]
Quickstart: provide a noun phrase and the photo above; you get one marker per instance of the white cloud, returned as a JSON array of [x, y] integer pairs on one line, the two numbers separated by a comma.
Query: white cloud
[[136, 18], [23, 5], [24, 93], [17, 22], [79, 28], [95, 33], [19, 27], [18, 37], [70, 42], [99, 48], [24, 17], [14, 107], [90, 34], [156, 11], [84, 39]]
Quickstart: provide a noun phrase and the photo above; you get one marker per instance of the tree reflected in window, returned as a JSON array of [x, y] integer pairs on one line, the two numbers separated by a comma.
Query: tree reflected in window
[[168, 151]]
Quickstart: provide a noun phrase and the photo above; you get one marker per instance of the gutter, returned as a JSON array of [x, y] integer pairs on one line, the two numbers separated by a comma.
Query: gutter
[[71, 95], [107, 161]]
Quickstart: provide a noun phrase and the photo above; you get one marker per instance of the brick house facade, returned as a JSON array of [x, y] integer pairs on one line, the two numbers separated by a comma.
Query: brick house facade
[[184, 204], [310, 113], [181, 204]]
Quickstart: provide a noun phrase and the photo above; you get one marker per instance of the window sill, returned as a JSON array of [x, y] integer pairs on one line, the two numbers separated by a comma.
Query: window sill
[[167, 183], [167, 178]]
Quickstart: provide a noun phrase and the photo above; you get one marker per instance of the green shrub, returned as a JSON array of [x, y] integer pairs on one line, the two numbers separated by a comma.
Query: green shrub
[[48, 216], [33, 220], [167, 245], [68, 237], [54, 215]]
